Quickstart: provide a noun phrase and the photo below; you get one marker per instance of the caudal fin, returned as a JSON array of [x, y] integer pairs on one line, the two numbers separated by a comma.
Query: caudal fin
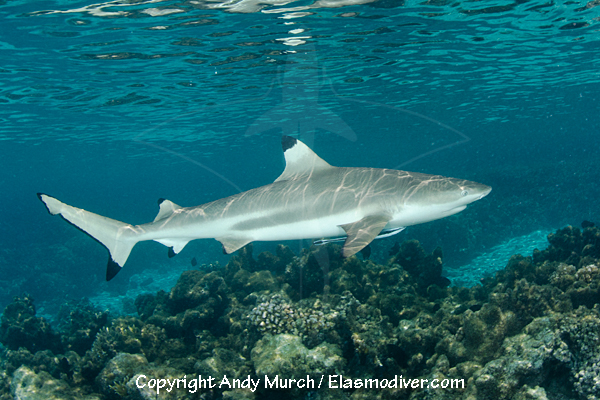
[[118, 237]]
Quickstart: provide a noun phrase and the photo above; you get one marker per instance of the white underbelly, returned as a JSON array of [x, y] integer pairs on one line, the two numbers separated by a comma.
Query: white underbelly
[[418, 215], [322, 227]]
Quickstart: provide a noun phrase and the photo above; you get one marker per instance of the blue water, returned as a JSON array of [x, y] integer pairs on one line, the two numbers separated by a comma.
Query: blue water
[[110, 106]]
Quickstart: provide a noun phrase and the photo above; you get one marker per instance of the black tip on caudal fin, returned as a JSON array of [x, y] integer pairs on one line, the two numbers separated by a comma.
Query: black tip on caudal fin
[[112, 269]]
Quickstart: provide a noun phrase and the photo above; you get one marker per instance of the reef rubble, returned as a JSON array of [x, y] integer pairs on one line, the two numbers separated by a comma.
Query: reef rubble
[[530, 332]]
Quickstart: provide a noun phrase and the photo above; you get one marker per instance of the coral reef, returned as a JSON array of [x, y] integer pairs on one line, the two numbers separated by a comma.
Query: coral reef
[[83, 322], [20, 327], [530, 332], [581, 334]]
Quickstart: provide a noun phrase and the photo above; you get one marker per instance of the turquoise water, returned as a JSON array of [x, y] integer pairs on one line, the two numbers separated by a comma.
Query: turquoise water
[[110, 106]]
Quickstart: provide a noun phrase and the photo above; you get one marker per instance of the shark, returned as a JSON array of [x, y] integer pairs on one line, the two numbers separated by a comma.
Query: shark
[[311, 199]]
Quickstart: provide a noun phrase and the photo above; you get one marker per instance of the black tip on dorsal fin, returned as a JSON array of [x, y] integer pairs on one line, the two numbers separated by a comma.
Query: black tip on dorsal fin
[[112, 269], [287, 142], [161, 200], [172, 252]]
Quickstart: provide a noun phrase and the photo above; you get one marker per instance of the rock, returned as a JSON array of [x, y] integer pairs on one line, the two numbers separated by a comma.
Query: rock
[[223, 362], [286, 356], [238, 394], [153, 382], [528, 393], [113, 379], [538, 356], [325, 359], [27, 385]]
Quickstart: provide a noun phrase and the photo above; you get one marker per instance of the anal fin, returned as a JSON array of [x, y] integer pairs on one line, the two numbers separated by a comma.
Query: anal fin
[[175, 245], [362, 232]]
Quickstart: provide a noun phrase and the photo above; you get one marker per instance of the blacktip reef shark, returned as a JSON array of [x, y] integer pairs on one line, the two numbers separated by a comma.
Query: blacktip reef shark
[[310, 199]]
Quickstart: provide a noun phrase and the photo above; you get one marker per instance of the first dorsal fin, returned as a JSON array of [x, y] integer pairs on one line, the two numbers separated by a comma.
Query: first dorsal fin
[[167, 208], [300, 160]]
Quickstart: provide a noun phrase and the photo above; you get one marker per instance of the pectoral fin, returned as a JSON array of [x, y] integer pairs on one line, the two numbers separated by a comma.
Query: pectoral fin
[[362, 232]]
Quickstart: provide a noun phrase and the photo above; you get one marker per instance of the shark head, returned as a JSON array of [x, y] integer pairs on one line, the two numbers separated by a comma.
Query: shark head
[[437, 197], [459, 193]]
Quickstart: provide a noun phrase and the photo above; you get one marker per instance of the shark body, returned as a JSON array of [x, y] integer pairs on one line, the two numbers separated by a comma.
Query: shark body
[[311, 199]]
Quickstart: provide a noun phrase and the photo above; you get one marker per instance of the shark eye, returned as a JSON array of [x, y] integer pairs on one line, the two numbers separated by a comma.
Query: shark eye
[[464, 193]]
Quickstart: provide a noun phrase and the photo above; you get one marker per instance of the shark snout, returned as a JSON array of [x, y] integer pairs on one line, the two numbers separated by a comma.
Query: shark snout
[[486, 191]]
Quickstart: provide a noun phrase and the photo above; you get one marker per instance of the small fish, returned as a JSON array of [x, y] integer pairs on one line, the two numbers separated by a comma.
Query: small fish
[[587, 224], [194, 262]]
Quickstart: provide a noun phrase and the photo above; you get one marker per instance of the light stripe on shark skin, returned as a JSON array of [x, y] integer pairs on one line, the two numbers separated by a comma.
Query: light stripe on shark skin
[[311, 199]]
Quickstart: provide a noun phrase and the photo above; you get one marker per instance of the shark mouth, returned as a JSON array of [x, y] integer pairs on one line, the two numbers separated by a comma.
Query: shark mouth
[[453, 211]]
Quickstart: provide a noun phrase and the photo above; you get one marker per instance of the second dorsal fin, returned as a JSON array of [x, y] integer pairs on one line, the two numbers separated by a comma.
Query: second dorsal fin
[[167, 208], [300, 160]]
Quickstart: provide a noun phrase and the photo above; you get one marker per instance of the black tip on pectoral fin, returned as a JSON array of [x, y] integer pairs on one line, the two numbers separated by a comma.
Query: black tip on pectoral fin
[[112, 269], [172, 252]]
